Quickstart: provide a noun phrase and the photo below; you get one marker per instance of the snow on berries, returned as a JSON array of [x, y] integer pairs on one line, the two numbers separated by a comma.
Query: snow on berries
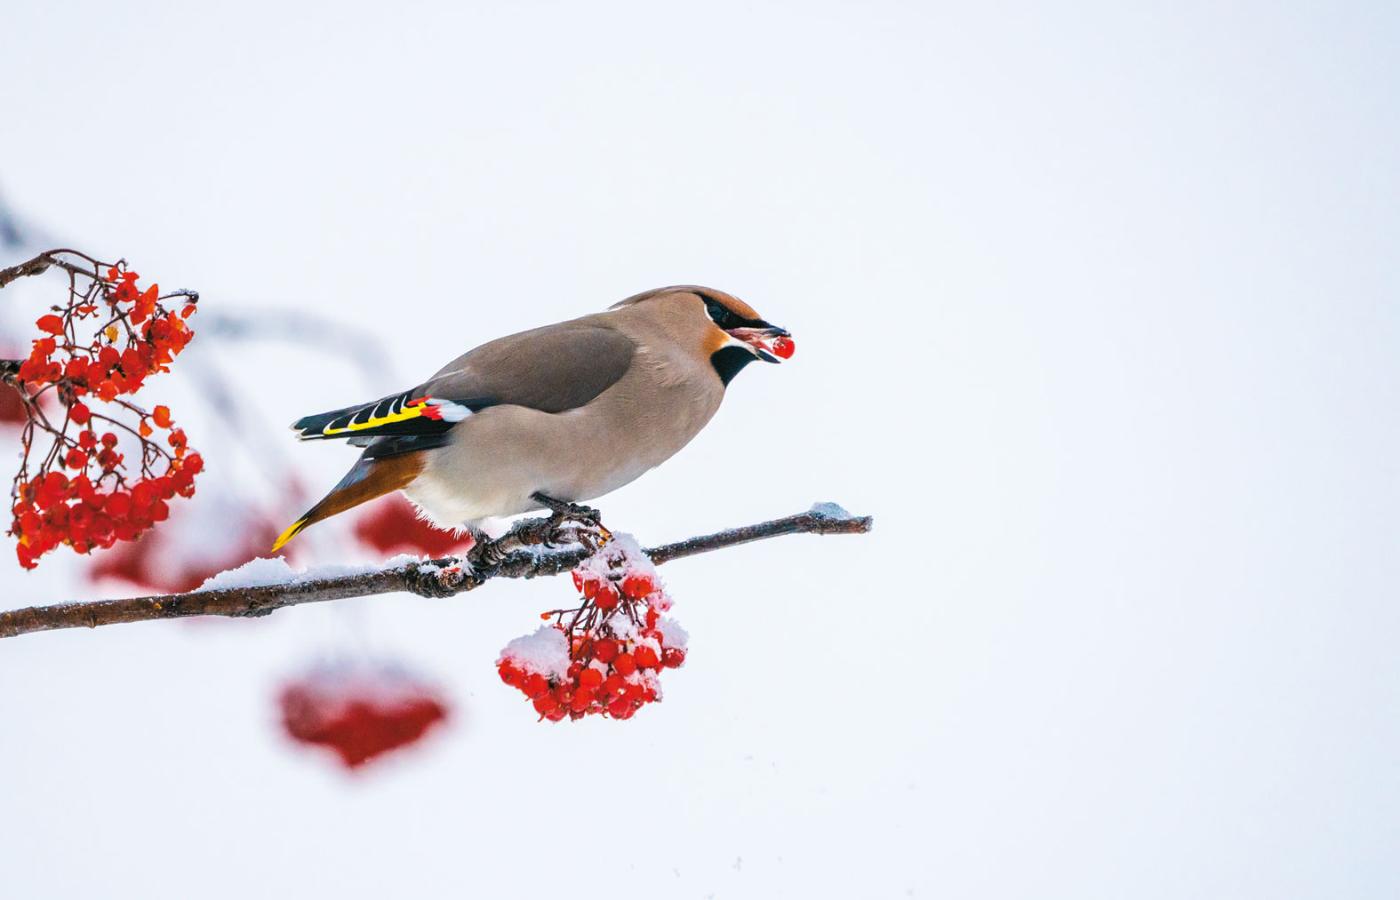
[[92, 353], [606, 656], [359, 710]]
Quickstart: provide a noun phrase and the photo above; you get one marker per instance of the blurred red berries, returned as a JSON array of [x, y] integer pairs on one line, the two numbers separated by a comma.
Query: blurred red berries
[[359, 711], [182, 556], [13, 410], [605, 657], [392, 525]]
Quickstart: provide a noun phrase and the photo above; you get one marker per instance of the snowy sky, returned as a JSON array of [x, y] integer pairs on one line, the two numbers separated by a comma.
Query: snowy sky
[[1095, 311]]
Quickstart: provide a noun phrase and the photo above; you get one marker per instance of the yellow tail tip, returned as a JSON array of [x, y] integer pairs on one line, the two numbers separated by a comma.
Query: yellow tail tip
[[287, 535]]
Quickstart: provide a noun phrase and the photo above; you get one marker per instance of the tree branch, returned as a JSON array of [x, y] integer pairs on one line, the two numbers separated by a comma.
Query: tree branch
[[9, 368], [48, 259], [435, 578]]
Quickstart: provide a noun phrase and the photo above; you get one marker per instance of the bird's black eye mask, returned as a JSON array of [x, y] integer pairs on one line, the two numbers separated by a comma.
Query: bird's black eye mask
[[726, 318]]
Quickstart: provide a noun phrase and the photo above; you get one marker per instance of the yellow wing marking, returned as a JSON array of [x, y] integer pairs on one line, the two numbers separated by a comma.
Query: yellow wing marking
[[410, 411]]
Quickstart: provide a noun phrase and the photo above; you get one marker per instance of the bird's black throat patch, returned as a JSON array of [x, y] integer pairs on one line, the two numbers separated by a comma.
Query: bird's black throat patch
[[729, 361]]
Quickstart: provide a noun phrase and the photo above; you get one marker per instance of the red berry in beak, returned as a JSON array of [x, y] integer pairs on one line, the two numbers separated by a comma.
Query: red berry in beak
[[784, 347]]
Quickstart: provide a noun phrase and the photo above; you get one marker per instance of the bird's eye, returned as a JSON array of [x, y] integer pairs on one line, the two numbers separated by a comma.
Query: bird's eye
[[720, 314]]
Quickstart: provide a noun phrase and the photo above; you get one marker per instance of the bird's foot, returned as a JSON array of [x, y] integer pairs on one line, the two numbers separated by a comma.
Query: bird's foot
[[526, 533], [488, 554], [592, 534], [568, 523], [435, 581]]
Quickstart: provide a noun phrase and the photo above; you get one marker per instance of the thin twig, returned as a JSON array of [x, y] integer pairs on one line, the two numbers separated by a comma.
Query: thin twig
[[44, 261], [441, 578]]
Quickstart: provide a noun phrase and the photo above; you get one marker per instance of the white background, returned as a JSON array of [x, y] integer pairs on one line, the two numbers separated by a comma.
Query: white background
[[1095, 312]]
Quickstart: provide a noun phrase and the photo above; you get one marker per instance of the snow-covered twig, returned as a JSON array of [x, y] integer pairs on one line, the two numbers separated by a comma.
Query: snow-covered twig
[[438, 578]]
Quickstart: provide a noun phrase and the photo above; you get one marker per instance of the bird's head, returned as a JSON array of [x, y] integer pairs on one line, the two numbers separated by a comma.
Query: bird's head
[[745, 329], [731, 333]]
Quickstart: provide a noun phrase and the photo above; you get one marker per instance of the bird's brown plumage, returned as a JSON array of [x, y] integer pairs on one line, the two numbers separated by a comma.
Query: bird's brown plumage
[[367, 480], [552, 369], [571, 410]]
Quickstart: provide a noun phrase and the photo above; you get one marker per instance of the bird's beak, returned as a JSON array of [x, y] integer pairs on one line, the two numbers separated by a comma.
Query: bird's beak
[[770, 343]]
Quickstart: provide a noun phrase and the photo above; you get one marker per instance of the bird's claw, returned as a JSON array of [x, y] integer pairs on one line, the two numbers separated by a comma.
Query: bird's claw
[[592, 535], [523, 534], [568, 523], [431, 581]]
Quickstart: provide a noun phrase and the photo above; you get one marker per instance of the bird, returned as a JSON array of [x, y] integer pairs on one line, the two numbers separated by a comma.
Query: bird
[[551, 417]]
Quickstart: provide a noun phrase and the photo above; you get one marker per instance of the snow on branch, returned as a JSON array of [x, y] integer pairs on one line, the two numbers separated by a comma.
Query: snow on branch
[[429, 578]]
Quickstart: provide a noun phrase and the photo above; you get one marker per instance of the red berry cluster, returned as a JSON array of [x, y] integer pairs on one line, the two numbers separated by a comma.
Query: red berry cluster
[[84, 512], [608, 657], [127, 335], [101, 346], [359, 712]]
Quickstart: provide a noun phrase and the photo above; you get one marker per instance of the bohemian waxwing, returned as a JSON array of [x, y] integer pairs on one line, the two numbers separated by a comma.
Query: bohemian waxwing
[[551, 416]]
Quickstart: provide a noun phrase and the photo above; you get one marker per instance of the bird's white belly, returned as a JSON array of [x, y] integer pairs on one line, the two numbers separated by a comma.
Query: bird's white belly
[[501, 487], [503, 455], [451, 505]]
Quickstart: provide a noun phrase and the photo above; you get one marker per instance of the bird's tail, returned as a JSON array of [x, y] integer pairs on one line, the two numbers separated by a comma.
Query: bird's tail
[[367, 479]]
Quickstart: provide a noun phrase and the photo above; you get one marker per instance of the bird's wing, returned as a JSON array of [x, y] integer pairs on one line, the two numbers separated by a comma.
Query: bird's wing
[[551, 369]]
